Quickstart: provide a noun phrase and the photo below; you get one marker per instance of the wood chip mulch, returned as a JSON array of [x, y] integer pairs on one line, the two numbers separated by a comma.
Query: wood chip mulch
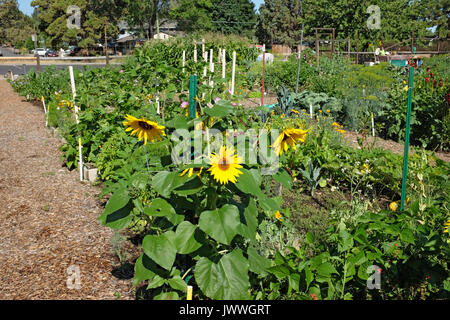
[[48, 218]]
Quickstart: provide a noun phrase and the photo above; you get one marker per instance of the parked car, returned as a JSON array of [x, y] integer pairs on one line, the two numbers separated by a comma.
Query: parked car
[[52, 53], [73, 50], [42, 52]]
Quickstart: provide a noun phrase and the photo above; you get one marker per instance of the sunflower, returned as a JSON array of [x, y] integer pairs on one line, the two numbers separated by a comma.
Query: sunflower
[[279, 216], [447, 224], [225, 165], [393, 206], [191, 171], [146, 129], [289, 137]]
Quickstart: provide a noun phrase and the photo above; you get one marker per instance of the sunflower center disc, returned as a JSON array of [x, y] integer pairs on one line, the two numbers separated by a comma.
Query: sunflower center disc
[[145, 125], [224, 165]]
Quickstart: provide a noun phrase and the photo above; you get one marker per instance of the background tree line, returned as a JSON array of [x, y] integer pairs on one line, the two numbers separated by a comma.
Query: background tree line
[[278, 21]]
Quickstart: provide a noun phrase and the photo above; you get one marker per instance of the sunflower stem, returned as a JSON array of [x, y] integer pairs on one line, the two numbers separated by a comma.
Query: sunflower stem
[[146, 159]]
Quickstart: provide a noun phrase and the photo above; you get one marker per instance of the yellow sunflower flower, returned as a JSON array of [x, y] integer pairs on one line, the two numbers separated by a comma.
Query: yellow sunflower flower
[[447, 224], [191, 171], [146, 129], [289, 137], [225, 165], [279, 216], [393, 206], [295, 111]]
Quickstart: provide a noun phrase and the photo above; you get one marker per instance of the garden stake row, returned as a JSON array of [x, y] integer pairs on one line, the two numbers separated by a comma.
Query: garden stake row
[[408, 121]]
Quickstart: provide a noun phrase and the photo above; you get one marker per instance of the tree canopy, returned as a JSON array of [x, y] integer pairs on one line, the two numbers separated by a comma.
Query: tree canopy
[[94, 16], [280, 20], [15, 26]]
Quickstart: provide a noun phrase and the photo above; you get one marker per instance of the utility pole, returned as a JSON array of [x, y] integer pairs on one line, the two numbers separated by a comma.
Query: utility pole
[[38, 60]]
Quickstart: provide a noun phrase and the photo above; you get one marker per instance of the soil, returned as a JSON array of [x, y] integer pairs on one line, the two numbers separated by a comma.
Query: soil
[[48, 218], [395, 147]]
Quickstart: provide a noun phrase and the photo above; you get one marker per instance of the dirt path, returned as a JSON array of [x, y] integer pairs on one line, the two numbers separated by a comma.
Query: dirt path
[[395, 147], [48, 226]]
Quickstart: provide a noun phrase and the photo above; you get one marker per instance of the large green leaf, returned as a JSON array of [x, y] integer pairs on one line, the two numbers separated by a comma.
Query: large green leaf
[[268, 204], [161, 248], [221, 109], [251, 219], [167, 296], [326, 269], [257, 263], [283, 177], [221, 224], [117, 211], [225, 280], [164, 182], [190, 187], [159, 208], [141, 272], [185, 238], [247, 183]]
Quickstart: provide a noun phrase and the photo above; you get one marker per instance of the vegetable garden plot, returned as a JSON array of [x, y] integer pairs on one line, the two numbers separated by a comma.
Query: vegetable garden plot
[[223, 227]]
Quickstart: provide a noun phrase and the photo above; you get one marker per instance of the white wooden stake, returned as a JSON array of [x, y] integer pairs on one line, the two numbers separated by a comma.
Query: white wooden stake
[[211, 67], [184, 59], [373, 125], [195, 51], [211, 55], [74, 94], [311, 110], [203, 47], [233, 73], [205, 58], [45, 112], [158, 110], [223, 63], [211, 81]]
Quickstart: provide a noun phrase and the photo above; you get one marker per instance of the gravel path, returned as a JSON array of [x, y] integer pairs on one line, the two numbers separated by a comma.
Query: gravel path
[[48, 218]]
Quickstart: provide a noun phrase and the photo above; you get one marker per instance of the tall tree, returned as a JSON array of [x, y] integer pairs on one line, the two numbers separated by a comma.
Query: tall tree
[[398, 18], [192, 15], [95, 15], [280, 20], [145, 14], [234, 16], [15, 26], [437, 13]]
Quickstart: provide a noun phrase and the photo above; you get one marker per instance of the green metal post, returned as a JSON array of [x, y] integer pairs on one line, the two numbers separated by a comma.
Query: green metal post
[[408, 121], [192, 96]]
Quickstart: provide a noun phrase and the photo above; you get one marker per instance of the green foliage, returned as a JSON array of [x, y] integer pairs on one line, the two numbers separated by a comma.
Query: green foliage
[[95, 15], [15, 26], [230, 16], [243, 240]]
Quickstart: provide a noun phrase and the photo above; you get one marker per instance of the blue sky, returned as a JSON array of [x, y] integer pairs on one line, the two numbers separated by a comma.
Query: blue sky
[[24, 6]]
